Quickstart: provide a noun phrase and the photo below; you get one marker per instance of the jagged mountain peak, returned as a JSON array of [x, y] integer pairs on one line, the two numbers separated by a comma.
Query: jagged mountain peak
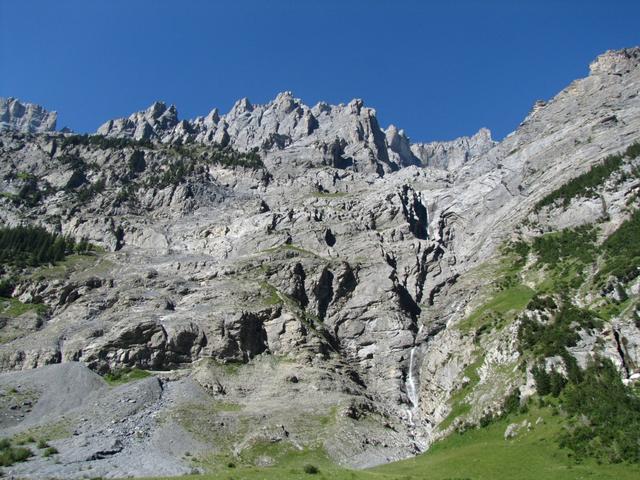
[[159, 108], [241, 106], [25, 117]]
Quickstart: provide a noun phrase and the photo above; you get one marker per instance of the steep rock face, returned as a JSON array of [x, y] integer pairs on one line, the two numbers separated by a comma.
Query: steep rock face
[[400, 148], [25, 117], [454, 154]]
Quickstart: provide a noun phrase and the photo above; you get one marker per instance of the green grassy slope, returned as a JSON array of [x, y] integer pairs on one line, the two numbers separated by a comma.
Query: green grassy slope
[[484, 454]]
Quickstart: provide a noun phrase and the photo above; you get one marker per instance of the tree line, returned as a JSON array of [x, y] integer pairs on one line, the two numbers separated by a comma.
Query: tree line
[[32, 246]]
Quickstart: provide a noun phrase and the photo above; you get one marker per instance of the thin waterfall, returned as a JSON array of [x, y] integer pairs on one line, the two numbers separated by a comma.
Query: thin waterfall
[[411, 384]]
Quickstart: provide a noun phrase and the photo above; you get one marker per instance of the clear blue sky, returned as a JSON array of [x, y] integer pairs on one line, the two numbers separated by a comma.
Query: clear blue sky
[[438, 69]]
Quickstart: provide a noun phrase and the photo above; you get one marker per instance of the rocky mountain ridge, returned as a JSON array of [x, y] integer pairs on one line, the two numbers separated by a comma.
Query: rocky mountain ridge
[[288, 131], [248, 259]]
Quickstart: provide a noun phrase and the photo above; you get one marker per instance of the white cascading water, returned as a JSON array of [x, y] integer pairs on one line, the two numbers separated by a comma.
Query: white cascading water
[[411, 384]]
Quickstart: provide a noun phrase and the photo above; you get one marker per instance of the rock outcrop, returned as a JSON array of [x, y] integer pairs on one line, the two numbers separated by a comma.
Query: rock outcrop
[[454, 154], [25, 117]]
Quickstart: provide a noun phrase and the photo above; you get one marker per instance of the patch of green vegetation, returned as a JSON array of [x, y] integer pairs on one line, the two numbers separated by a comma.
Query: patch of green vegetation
[[229, 157], [585, 185], [10, 196], [26, 440], [310, 469], [559, 332], [329, 418], [542, 302], [227, 367], [46, 433], [193, 159], [564, 257], [184, 160], [633, 151], [90, 262], [24, 176], [506, 296], [277, 450], [218, 155], [272, 296], [49, 451], [175, 173], [519, 252], [103, 143], [458, 409], [604, 416], [12, 307], [137, 163], [622, 251], [499, 308], [29, 194], [578, 244], [10, 454], [125, 375], [612, 309], [88, 192], [548, 383], [33, 246]]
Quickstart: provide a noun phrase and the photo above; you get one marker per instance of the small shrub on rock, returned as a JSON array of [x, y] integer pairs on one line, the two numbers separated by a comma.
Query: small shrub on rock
[[49, 451], [10, 455], [311, 469]]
